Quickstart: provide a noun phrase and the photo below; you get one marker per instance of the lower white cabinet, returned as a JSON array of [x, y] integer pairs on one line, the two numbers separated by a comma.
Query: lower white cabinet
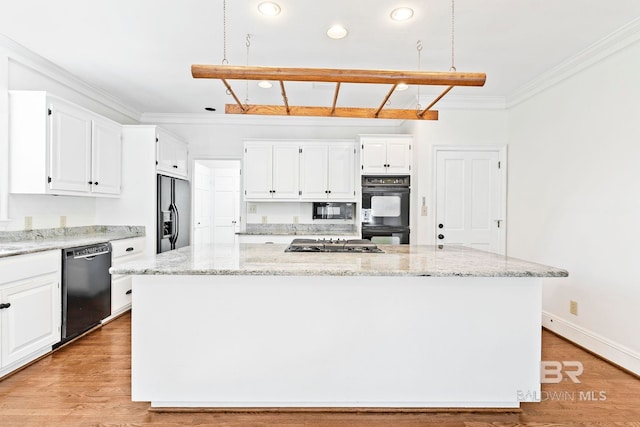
[[122, 251], [30, 307]]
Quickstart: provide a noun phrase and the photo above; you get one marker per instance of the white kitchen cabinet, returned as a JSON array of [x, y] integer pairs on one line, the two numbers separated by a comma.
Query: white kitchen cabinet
[[385, 154], [57, 147], [30, 307], [172, 155], [327, 171], [271, 171], [122, 251]]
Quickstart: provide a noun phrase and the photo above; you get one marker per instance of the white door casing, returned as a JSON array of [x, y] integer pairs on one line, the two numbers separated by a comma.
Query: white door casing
[[470, 197]]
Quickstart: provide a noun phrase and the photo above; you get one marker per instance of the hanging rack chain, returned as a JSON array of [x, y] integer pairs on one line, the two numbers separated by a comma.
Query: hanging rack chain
[[248, 44], [224, 32], [419, 49], [453, 21]]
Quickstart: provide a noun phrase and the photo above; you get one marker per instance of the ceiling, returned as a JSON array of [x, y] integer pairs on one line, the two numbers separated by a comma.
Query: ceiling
[[141, 51]]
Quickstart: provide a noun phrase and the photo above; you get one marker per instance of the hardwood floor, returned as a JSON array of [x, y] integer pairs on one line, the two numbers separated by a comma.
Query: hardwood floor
[[88, 384]]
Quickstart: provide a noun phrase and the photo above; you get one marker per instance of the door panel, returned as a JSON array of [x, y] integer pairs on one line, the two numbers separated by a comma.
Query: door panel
[[106, 157], [257, 167], [286, 158], [313, 172], [340, 178], [32, 321], [468, 199], [70, 149], [226, 211], [202, 205]]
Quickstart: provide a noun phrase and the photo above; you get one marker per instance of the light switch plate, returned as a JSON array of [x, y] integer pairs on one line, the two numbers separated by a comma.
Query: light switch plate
[[423, 211], [28, 223], [63, 221], [253, 208]]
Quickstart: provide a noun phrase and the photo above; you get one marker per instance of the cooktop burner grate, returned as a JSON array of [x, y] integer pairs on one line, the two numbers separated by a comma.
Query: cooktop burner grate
[[330, 245]]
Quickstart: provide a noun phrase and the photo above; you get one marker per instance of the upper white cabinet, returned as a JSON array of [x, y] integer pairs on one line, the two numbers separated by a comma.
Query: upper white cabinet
[[327, 171], [57, 147], [106, 156], [385, 154], [271, 170], [171, 155], [30, 307]]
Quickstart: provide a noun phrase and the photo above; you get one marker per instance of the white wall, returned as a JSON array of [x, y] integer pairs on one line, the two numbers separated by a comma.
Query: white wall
[[455, 127], [574, 203]]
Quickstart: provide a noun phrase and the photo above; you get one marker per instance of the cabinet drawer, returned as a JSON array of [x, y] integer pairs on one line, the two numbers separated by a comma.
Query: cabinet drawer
[[29, 265], [120, 293], [125, 247]]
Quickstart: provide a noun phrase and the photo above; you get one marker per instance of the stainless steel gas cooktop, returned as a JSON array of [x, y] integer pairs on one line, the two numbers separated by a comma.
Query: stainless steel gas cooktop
[[338, 245]]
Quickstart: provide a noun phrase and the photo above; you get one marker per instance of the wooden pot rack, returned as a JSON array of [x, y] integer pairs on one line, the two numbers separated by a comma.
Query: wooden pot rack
[[338, 76]]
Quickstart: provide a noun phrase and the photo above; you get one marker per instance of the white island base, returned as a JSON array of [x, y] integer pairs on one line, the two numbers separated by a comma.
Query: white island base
[[335, 341]]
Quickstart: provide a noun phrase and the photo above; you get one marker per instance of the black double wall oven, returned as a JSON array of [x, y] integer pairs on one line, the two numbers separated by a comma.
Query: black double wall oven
[[385, 209]]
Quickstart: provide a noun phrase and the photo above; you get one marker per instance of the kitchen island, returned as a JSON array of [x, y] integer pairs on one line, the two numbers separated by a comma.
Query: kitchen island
[[252, 326]]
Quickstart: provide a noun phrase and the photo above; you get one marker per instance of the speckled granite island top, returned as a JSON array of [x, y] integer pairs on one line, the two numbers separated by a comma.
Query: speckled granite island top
[[397, 260]]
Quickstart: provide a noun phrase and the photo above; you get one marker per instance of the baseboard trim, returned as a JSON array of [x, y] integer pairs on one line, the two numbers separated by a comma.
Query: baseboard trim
[[608, 350]]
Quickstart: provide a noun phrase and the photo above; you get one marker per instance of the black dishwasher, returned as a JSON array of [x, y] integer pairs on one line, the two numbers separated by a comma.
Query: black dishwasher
[[86, 288]]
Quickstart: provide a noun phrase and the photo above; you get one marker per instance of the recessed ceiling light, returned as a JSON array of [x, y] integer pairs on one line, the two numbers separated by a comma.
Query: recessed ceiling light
[[264, 84], [209, 108], [337, 32], [402, 86], [401, 14], [269, 8]]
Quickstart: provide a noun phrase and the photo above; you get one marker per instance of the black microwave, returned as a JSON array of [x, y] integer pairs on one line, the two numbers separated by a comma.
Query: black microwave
[[333, 210]]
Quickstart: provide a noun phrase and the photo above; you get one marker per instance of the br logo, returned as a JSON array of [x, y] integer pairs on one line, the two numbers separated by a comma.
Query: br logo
[[553, 372]]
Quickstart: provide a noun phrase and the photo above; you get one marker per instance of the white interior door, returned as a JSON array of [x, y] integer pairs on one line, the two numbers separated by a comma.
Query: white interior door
[[226, 204], [202, 205], [469, 199]]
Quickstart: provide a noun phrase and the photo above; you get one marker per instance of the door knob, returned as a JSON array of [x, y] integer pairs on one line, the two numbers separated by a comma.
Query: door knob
[[440, 225], [440, 236]]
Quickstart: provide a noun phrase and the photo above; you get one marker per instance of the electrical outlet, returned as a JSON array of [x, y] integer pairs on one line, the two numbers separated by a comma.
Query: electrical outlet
[[264, 219], [295, 219], [63, 221], [28, 223], [253, 208], [423, 211], [573, 307]]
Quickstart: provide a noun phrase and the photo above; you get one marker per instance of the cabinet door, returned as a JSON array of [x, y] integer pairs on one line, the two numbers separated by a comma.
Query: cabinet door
[[120, 294], [257, 171], [181, 158], [32, 320], [398, 156], [106, 165], [171, 155], [70, 149], [286, 167], [313, 172], [374, 157], [341, 174]]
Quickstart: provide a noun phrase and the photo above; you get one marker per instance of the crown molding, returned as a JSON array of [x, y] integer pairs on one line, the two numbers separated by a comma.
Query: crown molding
[[20, 54], [241, 120], [607, 46]]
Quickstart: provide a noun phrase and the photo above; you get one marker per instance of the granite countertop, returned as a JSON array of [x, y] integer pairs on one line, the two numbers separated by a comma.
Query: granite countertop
[[398, 260], [25, 242], [301, 230]]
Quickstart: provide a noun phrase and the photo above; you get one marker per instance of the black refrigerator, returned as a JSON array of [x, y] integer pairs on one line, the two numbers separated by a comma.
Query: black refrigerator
[[174, 213]]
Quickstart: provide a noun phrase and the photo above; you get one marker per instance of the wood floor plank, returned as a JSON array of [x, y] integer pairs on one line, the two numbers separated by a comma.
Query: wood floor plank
[[88, 383]]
